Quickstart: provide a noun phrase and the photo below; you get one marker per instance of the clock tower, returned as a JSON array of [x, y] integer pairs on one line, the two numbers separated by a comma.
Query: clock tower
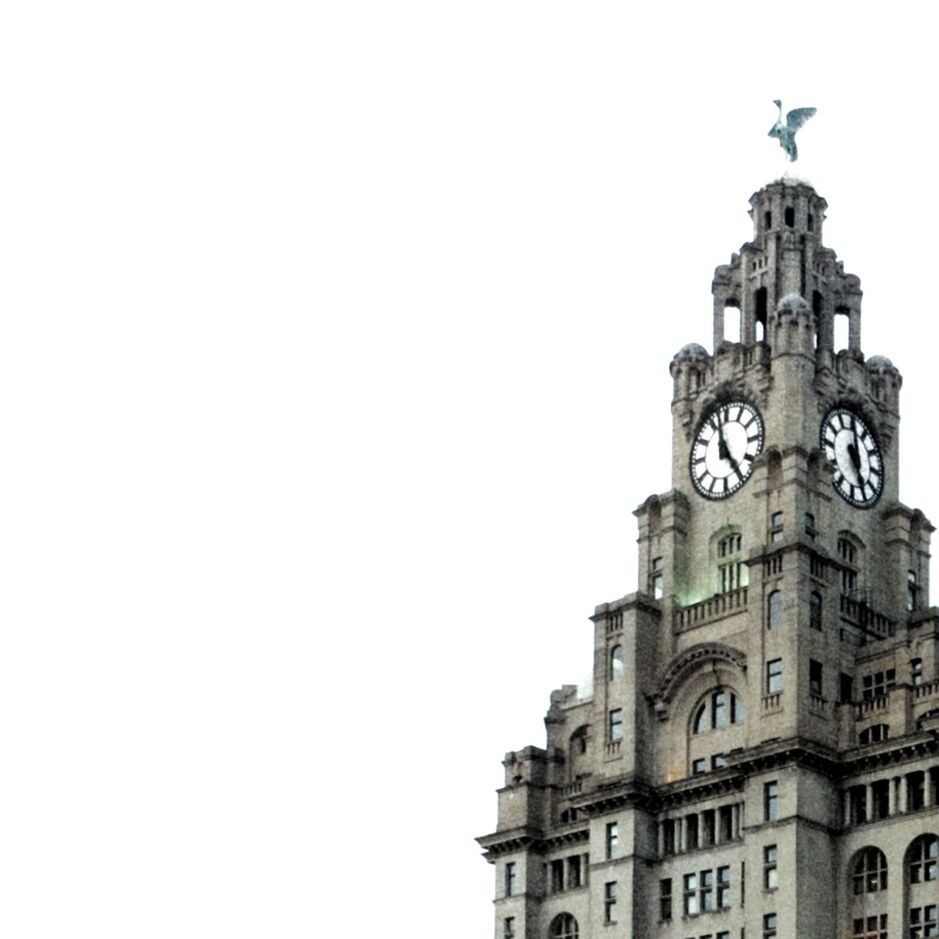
[[758, 754]]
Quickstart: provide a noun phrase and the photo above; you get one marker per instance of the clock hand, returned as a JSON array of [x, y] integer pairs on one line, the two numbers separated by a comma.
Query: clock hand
[[723, 451], [853, 452]]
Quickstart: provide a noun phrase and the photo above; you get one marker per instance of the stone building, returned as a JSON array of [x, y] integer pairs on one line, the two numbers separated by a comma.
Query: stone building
[[758, 756]]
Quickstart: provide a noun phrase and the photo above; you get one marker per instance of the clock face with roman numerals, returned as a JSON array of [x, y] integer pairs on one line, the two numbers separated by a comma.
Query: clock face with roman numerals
[[729, 439], [849, 445]]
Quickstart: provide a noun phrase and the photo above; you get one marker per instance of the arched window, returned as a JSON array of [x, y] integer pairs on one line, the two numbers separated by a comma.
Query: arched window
[[563, 926], [923, 859], [579, 740], [815, 610], [616, 663], [870, 871], [873, 734], [720, 708], [774, 610], [732, 573]]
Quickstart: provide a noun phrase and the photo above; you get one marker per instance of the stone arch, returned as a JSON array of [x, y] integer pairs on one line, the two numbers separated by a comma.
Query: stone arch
[[687, 663]]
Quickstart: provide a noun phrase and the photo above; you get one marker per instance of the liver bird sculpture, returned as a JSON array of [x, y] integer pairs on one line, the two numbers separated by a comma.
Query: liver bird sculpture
[[785, 131]]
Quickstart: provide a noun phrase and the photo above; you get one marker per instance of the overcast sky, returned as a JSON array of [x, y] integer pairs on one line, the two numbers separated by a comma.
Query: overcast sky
[[334, 362]]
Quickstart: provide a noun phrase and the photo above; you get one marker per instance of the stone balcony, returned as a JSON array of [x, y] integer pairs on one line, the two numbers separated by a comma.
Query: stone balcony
[[698, 614]]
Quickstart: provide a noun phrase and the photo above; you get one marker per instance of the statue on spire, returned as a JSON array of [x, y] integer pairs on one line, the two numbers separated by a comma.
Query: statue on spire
[[785, 131]]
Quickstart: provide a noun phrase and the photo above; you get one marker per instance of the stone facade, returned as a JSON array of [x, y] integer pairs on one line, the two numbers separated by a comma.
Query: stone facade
[[758, 755]]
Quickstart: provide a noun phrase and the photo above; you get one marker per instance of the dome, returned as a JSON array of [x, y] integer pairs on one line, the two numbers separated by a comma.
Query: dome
[[693, 352], [880, 361], [793, 303]]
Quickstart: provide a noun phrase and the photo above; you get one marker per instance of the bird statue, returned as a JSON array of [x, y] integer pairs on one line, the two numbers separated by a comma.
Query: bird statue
[[785, 132]]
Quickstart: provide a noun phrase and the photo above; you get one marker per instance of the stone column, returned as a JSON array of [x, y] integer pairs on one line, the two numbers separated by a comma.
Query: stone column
[[847, 808], [661, 838], [904, 795], [869, 801], [682, 834]]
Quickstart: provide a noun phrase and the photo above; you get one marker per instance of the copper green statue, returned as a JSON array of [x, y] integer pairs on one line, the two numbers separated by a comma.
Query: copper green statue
[[785, 131]]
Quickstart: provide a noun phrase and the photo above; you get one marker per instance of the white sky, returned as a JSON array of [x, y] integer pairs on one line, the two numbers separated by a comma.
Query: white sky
[[335, 359]]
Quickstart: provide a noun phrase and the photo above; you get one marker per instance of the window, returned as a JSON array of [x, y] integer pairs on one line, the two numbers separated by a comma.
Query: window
[[916, 671], [609, 902], [878, 684], [815, 678], [691, 831], [789, 216], [771, 801], [723, 888], [557, 876], [912, 591], [698, 767], [508, 928], [665, 899], [563, 926], [612, 839], [616, 725], [720, 708], [870, 871], [871, 927], [573, 872], [815, 610], [924, 922], [848, 553], [810, 526], [774, 610], [770, 871], [616, 663], [846, 689], [924, 859], [510, 879], [774, 676], [731, 572], [769, 926], [873, 734], [776, 527], [690, 895], [657, 582], [706, 903], [718, 761]]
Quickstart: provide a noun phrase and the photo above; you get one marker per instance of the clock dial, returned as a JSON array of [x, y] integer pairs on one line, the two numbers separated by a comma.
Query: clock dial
[[729, 439], [849, 445]]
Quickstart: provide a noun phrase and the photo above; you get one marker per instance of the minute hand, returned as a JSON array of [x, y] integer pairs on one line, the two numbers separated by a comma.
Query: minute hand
[[724, 451]]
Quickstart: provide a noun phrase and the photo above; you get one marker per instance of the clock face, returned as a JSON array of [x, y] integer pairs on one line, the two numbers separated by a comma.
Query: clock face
[[729, 439], [849, 444]]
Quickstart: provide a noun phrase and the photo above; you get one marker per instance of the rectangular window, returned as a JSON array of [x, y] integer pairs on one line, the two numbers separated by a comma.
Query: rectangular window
[[657, 579], [718, 761], [708, 823], [770, 872], [707, 902], [691, 831], [612, 840], [609, 902], [769, 926], [878, 684], [508, 928], [771, 801], [810, 526], [774, 676], [846, 689], [815, 610], [815, 678], [510, 879], [690, 895], [875, 927], [557, 876], [731, 576], [668, 836], [616, 725], [698, 767], [776, 527], [573, 871], [723, 934], [924, 922], [916, 671], [665, 899], [725, 820], [723, 888]]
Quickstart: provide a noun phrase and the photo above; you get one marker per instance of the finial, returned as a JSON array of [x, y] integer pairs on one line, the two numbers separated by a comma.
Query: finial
[[785, 131]]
